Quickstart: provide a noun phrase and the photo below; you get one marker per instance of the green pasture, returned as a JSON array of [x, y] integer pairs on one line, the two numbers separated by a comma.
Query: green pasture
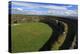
[[29, 36]]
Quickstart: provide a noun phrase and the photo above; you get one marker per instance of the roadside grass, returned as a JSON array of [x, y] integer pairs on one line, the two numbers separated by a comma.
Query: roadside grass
[[28, 37], [61, 38]]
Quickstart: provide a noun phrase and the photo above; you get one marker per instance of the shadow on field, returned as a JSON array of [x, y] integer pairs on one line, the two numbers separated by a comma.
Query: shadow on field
[[57, 28]]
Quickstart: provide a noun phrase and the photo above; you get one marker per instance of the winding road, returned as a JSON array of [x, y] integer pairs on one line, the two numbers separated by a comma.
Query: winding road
[[64, 27]]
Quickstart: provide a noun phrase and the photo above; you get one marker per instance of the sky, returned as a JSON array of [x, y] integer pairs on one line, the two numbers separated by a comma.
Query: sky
[[32, 8]]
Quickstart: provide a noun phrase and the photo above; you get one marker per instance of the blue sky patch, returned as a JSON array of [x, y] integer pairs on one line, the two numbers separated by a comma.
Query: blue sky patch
[[33, 8]]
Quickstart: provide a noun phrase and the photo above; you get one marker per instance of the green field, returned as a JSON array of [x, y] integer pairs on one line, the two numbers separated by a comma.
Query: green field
[[29, 36]]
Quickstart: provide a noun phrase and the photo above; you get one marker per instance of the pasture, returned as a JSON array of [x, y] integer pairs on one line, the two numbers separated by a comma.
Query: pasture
[[29, 36]]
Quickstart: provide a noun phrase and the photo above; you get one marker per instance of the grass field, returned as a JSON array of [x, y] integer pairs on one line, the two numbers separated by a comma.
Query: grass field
[[29, 36]]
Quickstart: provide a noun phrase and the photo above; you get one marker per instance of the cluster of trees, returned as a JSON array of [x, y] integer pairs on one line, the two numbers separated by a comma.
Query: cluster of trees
[[17, 18]]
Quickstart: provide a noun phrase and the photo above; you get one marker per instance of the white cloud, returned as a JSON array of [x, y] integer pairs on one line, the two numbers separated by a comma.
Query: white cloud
[[55, 7], [38, 5], [71, 12], [25, 5], [65, 12], [19, 9]]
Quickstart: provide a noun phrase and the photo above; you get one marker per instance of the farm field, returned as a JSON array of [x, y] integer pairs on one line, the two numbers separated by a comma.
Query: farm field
[[29, 36]]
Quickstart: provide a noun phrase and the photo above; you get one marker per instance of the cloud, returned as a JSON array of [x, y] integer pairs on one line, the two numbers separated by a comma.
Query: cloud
[[71, 13], [65, 12], [55, 7], [19, 4], [19, 9], [50, 9], [33, 5]]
